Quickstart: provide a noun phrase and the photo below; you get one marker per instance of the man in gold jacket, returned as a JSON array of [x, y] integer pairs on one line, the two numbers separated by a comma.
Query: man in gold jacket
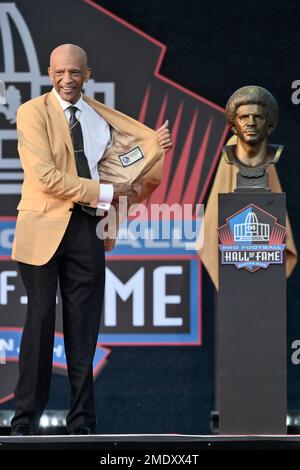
[[77, 155]]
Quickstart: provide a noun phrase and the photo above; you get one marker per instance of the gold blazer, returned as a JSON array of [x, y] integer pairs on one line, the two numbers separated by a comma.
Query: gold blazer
[[51, 185]]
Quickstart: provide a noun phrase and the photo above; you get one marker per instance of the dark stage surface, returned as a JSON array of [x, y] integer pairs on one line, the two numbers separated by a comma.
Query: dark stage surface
[[151, 442]]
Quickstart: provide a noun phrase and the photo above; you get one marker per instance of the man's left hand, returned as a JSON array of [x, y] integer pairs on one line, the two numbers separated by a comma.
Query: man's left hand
[[164, 137]]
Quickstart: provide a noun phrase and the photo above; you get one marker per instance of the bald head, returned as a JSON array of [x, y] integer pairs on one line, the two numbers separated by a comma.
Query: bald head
[[68, 71], [68, 50]]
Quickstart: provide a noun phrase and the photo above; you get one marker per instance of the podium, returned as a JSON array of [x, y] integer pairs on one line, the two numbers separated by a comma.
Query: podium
[[251, 326]]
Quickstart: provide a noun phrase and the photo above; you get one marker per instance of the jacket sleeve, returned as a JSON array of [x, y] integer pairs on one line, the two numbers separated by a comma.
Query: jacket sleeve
[[39, 166]]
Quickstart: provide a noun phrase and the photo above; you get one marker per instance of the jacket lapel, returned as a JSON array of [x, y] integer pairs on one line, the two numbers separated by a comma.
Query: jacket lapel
[[118, 121]]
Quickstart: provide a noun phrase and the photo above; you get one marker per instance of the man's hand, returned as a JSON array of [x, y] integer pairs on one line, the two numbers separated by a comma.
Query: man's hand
[[164, 137]]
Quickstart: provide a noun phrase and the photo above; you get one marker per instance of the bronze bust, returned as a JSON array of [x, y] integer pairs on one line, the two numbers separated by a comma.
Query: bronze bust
[[252, 115]]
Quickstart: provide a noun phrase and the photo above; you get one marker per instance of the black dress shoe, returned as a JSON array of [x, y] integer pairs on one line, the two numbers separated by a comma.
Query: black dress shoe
[[21, 429], [81, 430]]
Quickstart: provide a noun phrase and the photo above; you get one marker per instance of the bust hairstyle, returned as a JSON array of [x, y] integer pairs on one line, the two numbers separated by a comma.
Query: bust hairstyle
[[252, 94]]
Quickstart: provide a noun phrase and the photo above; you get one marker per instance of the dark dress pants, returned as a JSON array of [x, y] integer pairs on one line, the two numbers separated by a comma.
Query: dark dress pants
[[79, 266]]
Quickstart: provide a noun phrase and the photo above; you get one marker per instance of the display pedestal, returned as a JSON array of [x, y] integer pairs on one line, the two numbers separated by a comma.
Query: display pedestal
[[251, 331]]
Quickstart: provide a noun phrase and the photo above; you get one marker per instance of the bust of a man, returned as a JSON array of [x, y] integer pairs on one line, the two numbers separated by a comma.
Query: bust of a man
[[252, 115]]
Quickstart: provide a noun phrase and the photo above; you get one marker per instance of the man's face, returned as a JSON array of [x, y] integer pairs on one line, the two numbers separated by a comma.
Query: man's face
[[68, 72], [251, 124]]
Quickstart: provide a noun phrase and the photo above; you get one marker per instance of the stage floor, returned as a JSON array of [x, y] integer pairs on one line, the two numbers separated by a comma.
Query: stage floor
[[157, 443]]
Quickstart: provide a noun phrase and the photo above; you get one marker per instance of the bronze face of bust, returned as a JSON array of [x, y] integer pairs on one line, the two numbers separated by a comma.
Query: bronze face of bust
[[252, 115]]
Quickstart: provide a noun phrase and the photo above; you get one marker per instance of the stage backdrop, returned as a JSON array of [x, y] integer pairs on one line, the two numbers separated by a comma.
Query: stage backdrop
[[154, 361], [154, 289]]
